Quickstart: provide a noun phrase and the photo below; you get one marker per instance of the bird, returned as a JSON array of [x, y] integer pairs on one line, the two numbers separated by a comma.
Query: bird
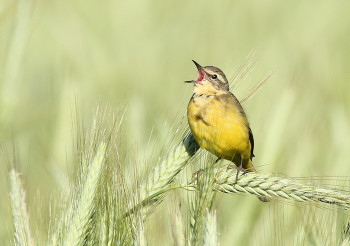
[[217, 120]]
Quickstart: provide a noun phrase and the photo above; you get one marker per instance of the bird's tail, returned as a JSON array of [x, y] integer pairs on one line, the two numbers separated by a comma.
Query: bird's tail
[[249, 167]]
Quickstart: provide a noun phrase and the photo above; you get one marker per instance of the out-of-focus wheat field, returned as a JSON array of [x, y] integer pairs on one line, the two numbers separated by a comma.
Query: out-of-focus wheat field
[[59, 57]]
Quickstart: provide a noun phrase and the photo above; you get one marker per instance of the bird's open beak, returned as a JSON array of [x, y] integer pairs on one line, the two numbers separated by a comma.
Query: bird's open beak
[[199, 67], [200, 73]]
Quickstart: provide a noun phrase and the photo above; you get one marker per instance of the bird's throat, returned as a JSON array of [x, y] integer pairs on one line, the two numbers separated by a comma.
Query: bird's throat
[[204, 87], [200, 75]]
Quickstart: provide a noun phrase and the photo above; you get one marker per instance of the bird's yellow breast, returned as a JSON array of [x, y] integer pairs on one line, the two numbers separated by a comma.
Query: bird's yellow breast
[[219, 126]]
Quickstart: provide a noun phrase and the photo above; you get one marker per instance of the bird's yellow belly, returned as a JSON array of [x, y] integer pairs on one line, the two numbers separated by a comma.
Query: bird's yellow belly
[[220, 130]]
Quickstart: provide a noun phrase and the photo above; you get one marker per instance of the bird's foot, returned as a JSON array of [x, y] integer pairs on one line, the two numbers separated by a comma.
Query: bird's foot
[[238, 168], [196, 174]]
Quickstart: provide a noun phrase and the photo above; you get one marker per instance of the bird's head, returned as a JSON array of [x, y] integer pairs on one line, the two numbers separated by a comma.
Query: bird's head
[[209, 78]]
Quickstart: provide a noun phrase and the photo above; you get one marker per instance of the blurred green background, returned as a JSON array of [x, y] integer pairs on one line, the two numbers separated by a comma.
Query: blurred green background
[[57, 56]]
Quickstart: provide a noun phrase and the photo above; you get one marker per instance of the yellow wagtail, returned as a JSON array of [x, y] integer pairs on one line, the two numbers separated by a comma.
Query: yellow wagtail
[[217, 119]]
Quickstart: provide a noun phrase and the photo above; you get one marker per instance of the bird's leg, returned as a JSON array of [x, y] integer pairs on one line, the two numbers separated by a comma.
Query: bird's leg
[[200, 171], [239, 169]]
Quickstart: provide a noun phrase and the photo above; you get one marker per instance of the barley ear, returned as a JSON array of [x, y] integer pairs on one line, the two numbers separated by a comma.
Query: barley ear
[[201, 204], [210, 234], [158, 181], [177, 225], [139, 235], [19, 211], [79, 223], [270, 186]]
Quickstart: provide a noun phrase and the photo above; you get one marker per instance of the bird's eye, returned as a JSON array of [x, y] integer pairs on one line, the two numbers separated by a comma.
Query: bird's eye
[[214, 76]]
